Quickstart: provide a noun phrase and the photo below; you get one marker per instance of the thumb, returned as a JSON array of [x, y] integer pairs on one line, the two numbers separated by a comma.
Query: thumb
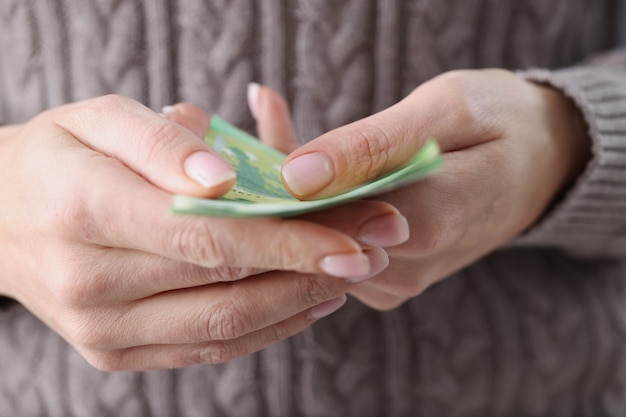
[[273, 119], [354, 154], [166, 153]]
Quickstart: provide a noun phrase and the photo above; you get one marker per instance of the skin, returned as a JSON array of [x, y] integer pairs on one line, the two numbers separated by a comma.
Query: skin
[[511, 149], [89, 247]]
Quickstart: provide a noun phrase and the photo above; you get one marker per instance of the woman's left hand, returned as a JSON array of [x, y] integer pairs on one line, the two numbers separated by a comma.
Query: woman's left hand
[[510, 149]]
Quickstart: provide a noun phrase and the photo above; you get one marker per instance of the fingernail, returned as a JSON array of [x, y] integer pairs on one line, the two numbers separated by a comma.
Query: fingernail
[[379, 261], [327, 308], [385, 231], [167, 111], [208, 169], [308, 173], [346, 266], [253, 99]]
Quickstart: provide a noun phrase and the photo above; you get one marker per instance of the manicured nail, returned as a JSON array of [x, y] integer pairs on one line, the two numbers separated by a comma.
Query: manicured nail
[[308, 173], [208, 169], [327, 308], [346, 266], [385, 231], [379, 261], [253, 99], [167, 111]]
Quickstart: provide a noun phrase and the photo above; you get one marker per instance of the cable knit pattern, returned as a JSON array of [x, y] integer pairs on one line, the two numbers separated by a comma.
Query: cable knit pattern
[[527, 331], [109, 62], [223, 30], [333, 38], [21, 67]]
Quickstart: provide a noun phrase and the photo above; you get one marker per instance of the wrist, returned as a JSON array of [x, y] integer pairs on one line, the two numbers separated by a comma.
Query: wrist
[[569, 136]]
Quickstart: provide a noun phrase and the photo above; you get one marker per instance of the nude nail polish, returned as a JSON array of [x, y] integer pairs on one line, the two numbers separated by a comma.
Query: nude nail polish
[[208, 169], [327, 308], [385, 231], [346, 266], [308, 174]]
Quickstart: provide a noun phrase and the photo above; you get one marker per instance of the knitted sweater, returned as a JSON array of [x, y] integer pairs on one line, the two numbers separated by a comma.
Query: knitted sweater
[[534, 329]]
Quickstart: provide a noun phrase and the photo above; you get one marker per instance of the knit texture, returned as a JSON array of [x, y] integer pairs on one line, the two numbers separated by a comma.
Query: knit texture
[[590, 219], [529, 331]]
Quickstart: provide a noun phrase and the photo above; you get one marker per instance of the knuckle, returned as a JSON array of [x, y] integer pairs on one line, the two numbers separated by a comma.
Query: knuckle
[[114, 101], [78, 285], [315, 290], [89, 334], [214, 353], [228, 274], [286, 248], [70, 292], [199, 245], [225, 322], [72, 219], [106, 103], [158, 139], [367, 150], [457, 99], [93, 109], [464, 101], [69, 288], [158, 135]]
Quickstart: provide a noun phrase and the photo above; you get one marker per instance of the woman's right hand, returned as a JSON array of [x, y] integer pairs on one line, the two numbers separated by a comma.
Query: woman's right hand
[[88, 246]]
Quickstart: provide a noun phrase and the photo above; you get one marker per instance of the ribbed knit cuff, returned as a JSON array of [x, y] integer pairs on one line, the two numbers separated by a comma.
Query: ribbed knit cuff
[[591, 218]]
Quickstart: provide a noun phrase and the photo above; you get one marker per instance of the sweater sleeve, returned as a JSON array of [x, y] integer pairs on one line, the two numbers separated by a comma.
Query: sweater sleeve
[[590, 220]]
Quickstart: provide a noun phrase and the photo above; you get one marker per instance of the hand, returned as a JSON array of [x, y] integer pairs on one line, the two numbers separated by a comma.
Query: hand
[[88, 246], [510, 147]]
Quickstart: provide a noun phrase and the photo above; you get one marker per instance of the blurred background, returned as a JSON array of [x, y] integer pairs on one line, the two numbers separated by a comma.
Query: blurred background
[[622, 22]]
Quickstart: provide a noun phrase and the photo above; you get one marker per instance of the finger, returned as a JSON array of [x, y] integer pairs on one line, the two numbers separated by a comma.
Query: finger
[[122, 275], [406, 278], [222, 311], [362, 151], [271, 112], [189, 116], [167, 154], [376, 298], [372, 223], [402, 280], [152, 357], [209, 241], [351, 155], [134, 216]]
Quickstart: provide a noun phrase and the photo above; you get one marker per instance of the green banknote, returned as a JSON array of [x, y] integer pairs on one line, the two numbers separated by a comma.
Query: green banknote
[[259, 190]]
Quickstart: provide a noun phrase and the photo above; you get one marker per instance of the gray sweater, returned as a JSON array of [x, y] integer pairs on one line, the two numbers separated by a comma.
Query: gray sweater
[[535, 329]]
